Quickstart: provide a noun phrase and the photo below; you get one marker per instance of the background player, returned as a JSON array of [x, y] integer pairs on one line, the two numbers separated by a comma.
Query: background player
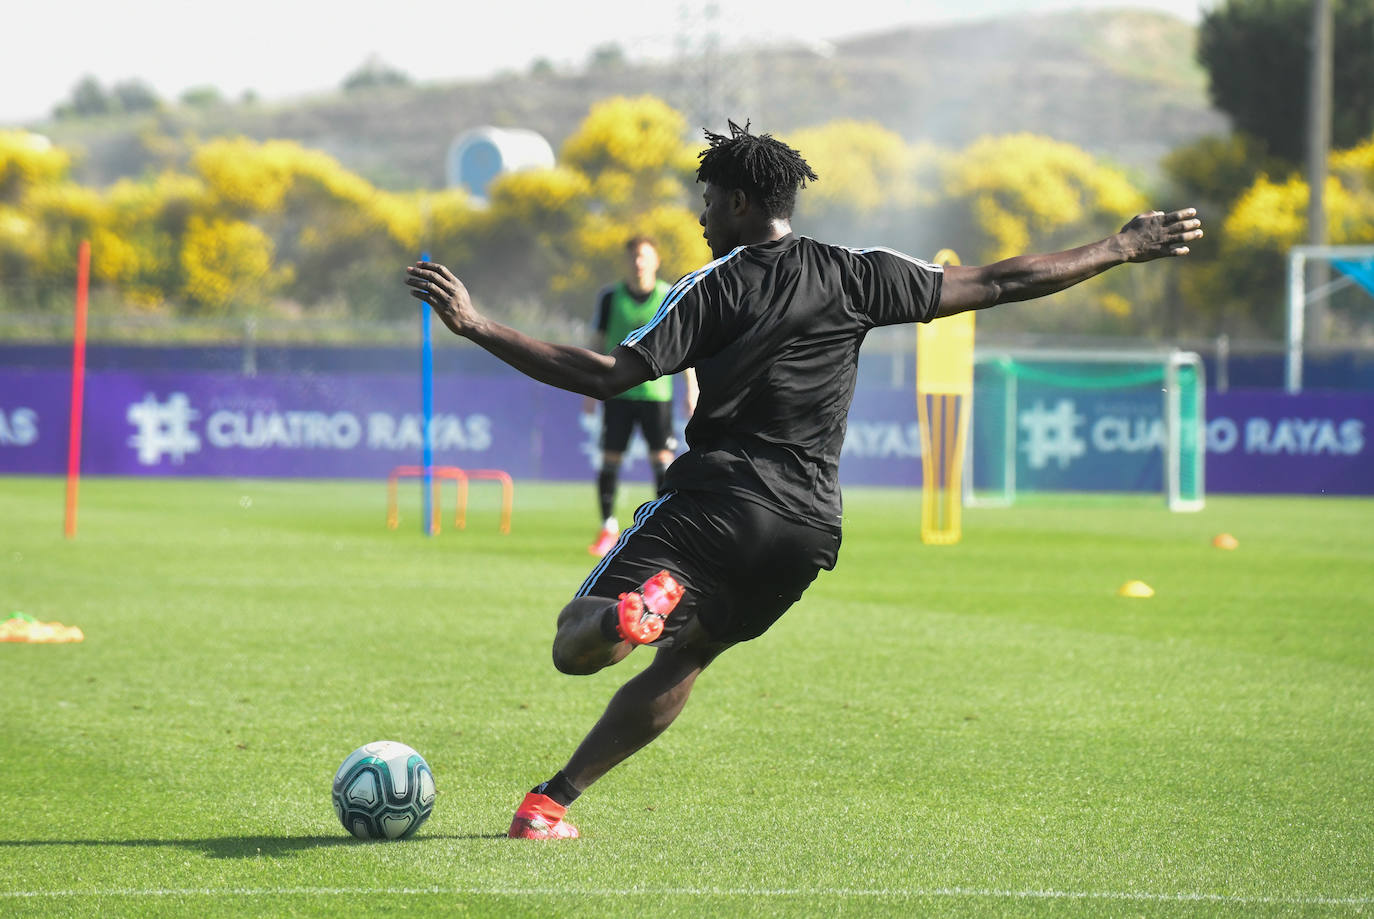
[[751, 512], [621, 308]]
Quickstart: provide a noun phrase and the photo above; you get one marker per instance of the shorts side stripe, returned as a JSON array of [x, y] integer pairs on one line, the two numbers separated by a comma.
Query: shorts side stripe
[[641, 515]]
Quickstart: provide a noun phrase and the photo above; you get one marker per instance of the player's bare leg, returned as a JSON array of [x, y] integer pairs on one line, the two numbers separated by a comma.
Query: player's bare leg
[[594, 633], [637, 713], [580, 646], [642, 709]]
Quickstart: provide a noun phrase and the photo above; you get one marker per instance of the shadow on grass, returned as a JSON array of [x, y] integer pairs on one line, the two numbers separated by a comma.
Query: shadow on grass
[[241, 846]]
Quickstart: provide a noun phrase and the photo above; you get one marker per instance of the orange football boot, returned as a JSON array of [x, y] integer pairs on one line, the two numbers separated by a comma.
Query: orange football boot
[[540, 817], [643, 612]]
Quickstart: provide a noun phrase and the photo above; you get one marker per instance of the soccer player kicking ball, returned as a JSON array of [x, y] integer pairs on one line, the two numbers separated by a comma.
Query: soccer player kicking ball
[[751, 512]]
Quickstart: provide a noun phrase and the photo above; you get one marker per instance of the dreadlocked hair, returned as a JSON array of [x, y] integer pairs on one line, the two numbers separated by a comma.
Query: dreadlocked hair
[[767, 170]]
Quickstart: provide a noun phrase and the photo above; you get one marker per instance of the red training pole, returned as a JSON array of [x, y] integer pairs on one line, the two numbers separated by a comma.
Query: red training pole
[[83, 276]]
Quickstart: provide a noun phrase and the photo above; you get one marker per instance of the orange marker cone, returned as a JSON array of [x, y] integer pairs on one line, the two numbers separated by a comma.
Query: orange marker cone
[[23, 628]]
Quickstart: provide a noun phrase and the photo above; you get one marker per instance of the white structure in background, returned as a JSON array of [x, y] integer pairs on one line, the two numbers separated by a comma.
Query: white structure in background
[[36, 142], [1299, 296], [477, 156]]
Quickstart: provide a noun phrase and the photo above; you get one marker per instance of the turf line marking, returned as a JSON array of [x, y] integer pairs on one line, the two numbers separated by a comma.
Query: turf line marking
[[840, 892]]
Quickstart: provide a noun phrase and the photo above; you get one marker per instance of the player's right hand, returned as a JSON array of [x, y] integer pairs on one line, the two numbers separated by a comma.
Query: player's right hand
[[441, 289], [1156, 234]]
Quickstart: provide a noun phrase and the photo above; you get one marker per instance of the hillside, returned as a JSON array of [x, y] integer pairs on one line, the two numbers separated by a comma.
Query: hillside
[[1123, 85]]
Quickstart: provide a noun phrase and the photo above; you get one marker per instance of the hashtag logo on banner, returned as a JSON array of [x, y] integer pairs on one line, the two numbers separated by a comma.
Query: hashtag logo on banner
[[164, 429], [1052, 434]]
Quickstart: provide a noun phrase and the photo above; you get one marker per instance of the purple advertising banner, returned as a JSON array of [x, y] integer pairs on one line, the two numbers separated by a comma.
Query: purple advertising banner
[[336, 426], [1269, 441], [363, 425]]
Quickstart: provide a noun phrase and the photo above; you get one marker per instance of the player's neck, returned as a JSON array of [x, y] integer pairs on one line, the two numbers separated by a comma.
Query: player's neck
[[768, 232], [638, 288]]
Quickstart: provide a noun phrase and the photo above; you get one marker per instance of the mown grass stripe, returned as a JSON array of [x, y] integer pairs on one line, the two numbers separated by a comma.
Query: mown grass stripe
[[832, 892]]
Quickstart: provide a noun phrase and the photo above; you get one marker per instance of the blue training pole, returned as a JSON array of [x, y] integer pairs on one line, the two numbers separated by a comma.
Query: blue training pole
[[427, 403]]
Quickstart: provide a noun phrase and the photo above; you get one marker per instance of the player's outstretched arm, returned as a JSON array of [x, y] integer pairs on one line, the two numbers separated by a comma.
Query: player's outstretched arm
[[1145, 238], [578, 370]]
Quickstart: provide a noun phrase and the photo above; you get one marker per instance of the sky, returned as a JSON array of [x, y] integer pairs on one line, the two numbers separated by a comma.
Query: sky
[[282, 49]]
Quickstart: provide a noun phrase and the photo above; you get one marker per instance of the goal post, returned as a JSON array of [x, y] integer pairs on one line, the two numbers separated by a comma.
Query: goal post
[[1185, 419], [1357, 265], [1045, 420]]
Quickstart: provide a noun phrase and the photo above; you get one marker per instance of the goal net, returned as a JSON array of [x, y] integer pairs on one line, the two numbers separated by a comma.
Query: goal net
[[1115, 421]]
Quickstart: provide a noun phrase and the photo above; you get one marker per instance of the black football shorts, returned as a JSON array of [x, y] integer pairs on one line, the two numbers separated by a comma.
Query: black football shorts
[[655, 420], [741, 564]]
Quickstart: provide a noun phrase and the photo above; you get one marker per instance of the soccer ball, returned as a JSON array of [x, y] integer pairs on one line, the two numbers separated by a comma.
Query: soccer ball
[[384, 790]]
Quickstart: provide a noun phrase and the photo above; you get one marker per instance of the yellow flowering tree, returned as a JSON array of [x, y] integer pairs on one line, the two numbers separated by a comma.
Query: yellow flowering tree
[[1272, 215], [63, 215], [523, 238], [334, 234], [249, 226], [634, 153], [1025, 192], [637, 167], [225, 263], [552, 237], [600, 241], [871, 186], [138, 248], [1247, 279], [1022, 193], [27, 161], [30, 171]]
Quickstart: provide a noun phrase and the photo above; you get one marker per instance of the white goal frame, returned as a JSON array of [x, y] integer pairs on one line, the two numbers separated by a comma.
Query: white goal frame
[[1299, 297], [1170, 359]]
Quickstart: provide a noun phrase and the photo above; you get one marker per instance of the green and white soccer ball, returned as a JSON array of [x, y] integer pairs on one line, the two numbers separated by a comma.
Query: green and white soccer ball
[[384, 790]]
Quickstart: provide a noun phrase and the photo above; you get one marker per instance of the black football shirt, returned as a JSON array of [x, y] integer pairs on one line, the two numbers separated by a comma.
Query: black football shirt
[[774, 331]]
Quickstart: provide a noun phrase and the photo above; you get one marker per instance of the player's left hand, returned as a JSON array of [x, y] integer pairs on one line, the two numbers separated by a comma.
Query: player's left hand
[[441, 289], [1158, 235]]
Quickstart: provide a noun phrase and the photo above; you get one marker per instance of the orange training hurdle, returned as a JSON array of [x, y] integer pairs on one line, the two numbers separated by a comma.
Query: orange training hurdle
[[460, 478]]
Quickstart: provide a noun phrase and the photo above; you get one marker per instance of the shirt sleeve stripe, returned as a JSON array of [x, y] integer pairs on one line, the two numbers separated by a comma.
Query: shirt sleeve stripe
[[930, 266], [679, 290]]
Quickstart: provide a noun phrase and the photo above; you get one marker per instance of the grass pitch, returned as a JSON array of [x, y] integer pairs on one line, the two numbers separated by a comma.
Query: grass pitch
[[983, 729]]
